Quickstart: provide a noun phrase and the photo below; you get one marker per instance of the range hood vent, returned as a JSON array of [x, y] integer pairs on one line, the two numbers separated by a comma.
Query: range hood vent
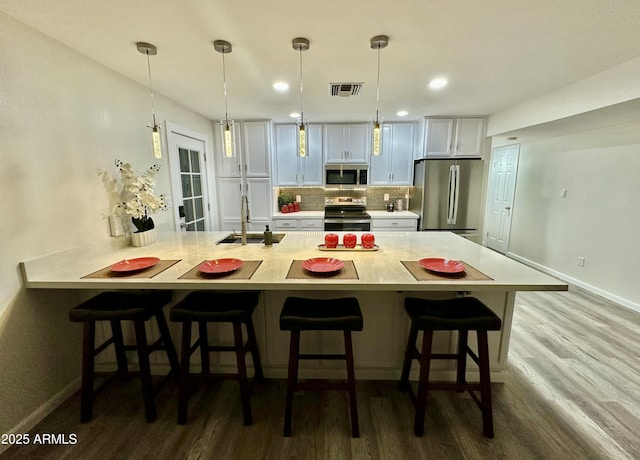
[[345, 89]]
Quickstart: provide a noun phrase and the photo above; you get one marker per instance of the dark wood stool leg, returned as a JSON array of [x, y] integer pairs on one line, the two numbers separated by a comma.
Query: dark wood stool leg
[[88, 355], [168, 342], [204, 346], [185, 356], [408, 357], [461, 365], [292, 380], [485, 384], [242, 373], [118, 344], [255, 353], [145, 370], [351, 383], [423, 383]]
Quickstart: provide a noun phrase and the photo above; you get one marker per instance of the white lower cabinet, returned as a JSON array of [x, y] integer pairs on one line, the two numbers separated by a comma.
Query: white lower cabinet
[[390, 224], [298, 224]]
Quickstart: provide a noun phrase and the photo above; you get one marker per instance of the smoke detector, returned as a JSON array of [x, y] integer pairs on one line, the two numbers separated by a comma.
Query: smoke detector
[[345, 89]]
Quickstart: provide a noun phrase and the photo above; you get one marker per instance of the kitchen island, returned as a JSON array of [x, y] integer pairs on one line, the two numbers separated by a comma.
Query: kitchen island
[[381, 283]]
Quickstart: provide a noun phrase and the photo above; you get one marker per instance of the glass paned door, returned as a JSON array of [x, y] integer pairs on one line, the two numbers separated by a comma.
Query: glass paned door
[[192, 198]]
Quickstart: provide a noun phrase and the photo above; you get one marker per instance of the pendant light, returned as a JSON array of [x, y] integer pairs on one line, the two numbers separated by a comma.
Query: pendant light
[[228, 137], [301, 44], [156, 143], [378, 42]]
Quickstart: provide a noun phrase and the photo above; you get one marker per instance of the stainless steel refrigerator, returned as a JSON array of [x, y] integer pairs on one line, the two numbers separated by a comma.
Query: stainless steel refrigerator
[[446, 194]]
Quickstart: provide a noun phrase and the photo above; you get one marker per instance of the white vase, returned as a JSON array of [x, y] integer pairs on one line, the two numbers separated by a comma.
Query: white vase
[[144, 238]]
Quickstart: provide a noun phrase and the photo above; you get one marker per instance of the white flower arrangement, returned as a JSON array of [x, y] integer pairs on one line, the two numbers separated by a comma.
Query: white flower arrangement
[[137, 197]]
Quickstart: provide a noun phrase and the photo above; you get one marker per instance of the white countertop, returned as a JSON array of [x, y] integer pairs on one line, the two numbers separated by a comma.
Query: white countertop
[[393, 215], [299, 215], [378, 270]]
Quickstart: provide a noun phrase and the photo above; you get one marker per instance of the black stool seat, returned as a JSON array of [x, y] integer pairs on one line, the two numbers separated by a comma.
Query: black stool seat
[[115, 307], [452, 314], [202, 307], [217, 307], [321, 315], [461, 314], [120, 306], [300, 314]]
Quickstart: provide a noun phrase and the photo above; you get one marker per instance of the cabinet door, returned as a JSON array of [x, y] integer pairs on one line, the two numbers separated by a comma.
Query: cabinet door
[[439, 137], [469, 137], [286, 155], [401, 158], [335, 144], [310, 167], [380, 166], [358, 143], [259, 193], [256, 147], [229, 195], [229, 167]]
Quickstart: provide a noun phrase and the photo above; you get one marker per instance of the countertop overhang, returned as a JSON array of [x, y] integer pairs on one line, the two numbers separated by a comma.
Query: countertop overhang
[[380, 270]]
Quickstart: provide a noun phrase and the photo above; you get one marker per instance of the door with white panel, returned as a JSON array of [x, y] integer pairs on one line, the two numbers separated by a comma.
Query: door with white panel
[[189, 185], [502, 185]]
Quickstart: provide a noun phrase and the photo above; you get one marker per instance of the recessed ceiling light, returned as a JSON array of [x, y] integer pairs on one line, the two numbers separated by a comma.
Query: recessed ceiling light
[[438, 83], [402, 113], [280, 86], [294, 115]]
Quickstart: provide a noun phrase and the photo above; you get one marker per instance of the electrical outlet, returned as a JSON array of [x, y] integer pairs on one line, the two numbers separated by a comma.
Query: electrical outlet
[[299, 198], [386, 197], [580, 261]]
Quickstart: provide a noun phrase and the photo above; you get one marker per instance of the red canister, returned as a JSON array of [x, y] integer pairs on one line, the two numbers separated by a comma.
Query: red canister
[[349, 240], [284, 209]]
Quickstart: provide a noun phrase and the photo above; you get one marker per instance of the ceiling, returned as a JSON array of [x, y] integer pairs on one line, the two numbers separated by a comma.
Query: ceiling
[[495, 54]]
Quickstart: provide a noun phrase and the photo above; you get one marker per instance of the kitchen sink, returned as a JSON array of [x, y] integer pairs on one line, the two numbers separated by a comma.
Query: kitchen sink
[[252, 238]]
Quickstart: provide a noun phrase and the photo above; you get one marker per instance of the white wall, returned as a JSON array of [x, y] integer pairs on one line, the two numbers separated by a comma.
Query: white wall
[[62, 117], [600, 217]]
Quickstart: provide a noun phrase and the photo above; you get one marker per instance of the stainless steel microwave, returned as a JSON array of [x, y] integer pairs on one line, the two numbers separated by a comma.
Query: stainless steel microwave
[[346, 175]]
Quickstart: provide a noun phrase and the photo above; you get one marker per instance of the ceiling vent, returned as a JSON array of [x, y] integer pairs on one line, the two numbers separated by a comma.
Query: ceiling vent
[[345, 89]]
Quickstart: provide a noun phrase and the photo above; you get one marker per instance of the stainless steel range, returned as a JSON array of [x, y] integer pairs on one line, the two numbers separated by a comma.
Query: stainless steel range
[[345, 213]]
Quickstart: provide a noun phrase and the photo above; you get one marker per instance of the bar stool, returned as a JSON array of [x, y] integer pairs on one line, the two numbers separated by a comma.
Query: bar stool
[[115, 307], [299, 314], [460, 314], [205, 307]]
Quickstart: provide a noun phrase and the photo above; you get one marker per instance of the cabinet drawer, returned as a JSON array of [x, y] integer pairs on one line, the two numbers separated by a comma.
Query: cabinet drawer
[[311, 224], [393, 224], [286, 224]]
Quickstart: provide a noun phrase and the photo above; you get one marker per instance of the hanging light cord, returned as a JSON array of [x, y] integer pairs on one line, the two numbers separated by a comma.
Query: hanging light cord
[[153, 110], [301, 110], [224, 78], [378, 86]]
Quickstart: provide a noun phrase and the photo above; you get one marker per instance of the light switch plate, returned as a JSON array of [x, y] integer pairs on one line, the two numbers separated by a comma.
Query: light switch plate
[[115, 226]]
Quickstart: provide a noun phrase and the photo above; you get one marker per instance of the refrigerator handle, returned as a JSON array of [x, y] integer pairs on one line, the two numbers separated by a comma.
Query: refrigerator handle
[[450, 195], [456, 192]]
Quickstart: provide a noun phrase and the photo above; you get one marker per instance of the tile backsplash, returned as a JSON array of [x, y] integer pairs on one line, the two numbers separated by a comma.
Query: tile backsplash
[[312, 198]]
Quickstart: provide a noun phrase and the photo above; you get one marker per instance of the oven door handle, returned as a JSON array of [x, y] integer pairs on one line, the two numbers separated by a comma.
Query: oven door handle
[[347, 221]]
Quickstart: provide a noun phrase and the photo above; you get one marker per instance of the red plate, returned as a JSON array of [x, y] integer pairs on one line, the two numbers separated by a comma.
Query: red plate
[[322, 264], [220, 265], [132, 265], [442, 265]]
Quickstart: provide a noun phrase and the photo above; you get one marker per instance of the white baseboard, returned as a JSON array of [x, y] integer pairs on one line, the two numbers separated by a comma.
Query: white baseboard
[[45, 409], [581, 284]]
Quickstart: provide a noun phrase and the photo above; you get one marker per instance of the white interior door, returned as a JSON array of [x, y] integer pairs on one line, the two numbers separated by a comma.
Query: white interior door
[[189, 185], [502, 185]]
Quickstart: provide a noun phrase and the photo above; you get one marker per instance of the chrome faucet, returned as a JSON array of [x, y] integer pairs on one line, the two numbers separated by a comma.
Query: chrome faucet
[[244, 217]]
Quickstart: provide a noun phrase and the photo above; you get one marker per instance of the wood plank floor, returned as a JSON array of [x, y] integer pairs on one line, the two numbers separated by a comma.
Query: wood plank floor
[[572, 391]]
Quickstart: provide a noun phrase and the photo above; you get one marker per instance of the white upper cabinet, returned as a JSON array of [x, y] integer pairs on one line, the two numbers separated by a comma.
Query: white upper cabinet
[[292, 170], [252, 142], [395, 165], [347, 143], [453, 137]]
